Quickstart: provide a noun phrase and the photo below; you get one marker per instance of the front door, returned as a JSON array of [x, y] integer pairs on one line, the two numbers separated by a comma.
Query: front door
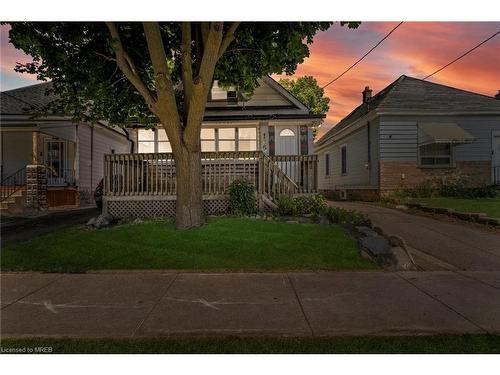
[[287, 143], [54, 159], [495, 158]]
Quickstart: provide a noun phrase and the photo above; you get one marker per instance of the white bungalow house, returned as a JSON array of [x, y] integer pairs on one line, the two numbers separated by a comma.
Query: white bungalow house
[[73, 153], [266, 138], [410, 131]]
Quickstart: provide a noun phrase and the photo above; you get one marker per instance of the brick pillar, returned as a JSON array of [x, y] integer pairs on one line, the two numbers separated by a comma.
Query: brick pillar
[[36, 187]]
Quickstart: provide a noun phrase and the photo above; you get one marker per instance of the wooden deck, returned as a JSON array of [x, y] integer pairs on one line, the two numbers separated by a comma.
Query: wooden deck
[[152, 177]]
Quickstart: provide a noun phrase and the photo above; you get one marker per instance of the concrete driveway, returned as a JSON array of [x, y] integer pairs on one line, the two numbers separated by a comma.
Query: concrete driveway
[[435, 244], [20, 229], [163, 304]]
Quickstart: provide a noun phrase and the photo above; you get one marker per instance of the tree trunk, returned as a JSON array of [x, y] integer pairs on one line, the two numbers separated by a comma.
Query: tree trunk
[[189, 213]]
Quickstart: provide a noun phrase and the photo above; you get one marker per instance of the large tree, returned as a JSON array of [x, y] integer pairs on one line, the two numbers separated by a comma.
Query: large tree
[[159, 74]]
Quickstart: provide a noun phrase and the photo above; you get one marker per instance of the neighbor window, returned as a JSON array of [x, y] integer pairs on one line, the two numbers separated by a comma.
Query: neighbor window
[[343, 159], [327, 164], [436, 155], [152, 140]]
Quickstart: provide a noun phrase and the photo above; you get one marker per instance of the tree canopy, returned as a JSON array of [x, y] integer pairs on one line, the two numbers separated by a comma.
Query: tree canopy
[[79, 59], [307, 90]]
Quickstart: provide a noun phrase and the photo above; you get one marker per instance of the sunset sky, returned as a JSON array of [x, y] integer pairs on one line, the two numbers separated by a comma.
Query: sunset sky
[[415, 49]]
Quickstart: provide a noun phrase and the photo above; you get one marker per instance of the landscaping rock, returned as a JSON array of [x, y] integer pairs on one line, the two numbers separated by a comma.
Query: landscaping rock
[[323, 220], [401, 207], [91, 222], [369, 232], [292, 222], [403, 261], [104, 220], [138, 221], [376, 245]]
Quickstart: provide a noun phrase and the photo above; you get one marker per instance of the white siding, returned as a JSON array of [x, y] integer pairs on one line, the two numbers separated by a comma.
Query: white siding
[[104, 141], [358, 172], [15, 151]]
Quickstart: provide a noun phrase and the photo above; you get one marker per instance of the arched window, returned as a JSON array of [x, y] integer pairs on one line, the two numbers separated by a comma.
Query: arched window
[[287, 133]]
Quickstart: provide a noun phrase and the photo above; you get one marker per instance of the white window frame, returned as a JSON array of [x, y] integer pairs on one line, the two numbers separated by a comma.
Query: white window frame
[[156, 141], [451, 156], [344, 146]]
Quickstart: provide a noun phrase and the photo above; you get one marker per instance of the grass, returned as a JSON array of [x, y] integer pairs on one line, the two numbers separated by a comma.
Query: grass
[[340, 345], [489, 206], [222, 244]]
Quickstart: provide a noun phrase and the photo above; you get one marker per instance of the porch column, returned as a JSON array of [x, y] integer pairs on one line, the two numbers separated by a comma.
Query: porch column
[[34, 148], [36, 187]]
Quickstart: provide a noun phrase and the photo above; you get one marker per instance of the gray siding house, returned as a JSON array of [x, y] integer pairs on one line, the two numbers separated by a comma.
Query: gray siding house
[[410, 131], [73, 153]]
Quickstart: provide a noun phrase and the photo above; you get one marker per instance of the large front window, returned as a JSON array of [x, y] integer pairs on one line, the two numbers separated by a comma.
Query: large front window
[[436, 155], [212, 139]]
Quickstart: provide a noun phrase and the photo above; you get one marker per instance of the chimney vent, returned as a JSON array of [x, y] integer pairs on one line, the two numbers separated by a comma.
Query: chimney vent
[[497, 96], [367, 94]]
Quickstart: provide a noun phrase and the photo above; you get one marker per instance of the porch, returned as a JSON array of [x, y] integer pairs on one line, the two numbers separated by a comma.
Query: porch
[[145, 184]]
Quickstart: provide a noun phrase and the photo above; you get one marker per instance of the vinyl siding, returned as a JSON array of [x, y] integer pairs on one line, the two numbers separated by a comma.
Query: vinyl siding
[[358, 175], [404, 142], [105, 140], [398, 140]]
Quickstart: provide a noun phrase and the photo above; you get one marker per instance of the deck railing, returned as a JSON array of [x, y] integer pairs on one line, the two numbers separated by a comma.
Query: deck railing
[[154, 174]]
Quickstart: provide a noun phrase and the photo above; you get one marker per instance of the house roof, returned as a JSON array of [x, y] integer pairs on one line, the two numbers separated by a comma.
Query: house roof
[[412, 95], [280, 104], [24, 100]]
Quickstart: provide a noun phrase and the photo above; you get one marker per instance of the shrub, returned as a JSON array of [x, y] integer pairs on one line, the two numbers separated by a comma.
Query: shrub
[[287, 206], [242, 197], [301, 205], [341, 216]]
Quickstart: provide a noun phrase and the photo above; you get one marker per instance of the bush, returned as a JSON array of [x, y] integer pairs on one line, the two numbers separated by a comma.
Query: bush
[[341, 216], [454, 185], [242, 198], [301, 205]]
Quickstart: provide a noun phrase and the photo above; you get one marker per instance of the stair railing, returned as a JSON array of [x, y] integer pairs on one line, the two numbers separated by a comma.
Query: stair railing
[[11, 184]]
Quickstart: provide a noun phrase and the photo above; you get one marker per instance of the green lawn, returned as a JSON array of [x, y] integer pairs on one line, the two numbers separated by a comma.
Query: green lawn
[[393, 344], [489, 206], [222, 244]]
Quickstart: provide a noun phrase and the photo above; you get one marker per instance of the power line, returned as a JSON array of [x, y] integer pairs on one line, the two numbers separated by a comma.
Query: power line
[[366, 54], [463, 55]]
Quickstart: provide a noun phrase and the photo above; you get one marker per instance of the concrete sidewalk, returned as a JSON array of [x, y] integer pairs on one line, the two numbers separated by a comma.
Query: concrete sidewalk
[[436, 244], [159, 304]]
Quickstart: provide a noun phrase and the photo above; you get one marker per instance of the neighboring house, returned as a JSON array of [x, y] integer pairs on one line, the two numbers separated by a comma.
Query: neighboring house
[[409, 132], [266, 138], [72, 152]]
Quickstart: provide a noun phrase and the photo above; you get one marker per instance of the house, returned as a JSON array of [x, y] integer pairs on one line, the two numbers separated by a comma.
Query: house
[[266, 138], [73, 153], [242, 137], [409, 132]]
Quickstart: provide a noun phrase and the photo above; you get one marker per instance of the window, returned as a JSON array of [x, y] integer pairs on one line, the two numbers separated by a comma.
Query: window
[[221, 94], [327, 164], [227, 139], [146, 141], [208, 140], [287, 133], [343, 159], [247, 139], [153, 140], [436, 155]]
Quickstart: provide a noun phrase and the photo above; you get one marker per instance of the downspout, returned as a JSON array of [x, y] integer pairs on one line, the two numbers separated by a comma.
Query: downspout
[[127, 135]]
